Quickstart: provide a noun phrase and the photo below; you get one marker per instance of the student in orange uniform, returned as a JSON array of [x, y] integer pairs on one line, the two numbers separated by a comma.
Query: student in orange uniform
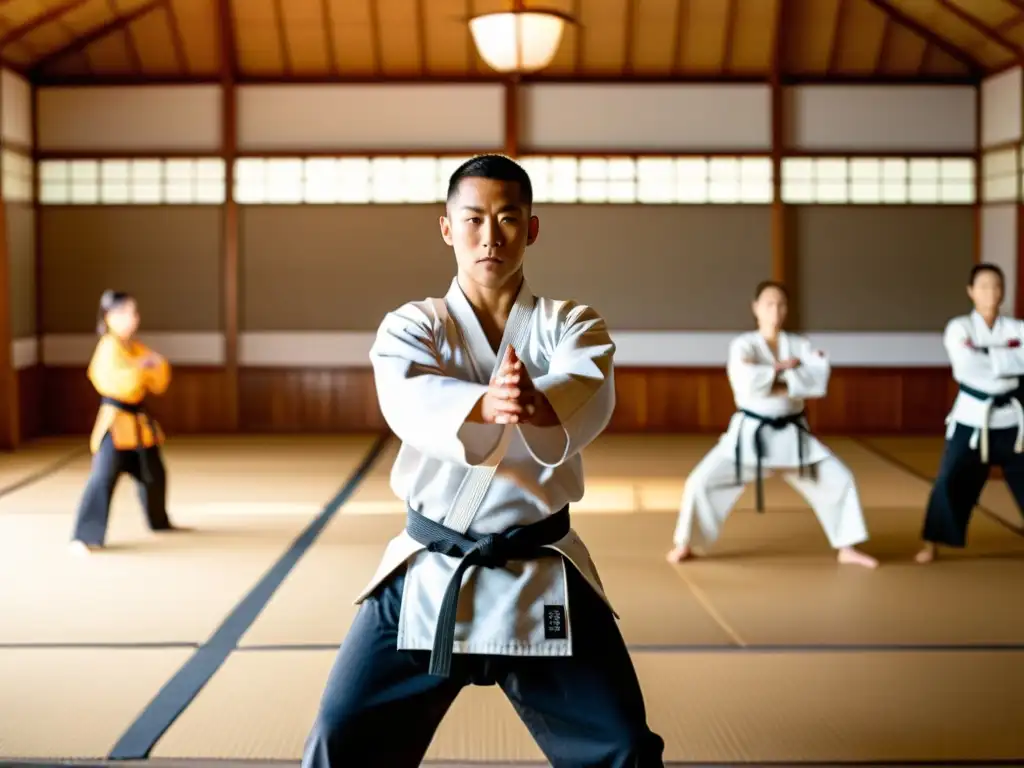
[[124, 438]]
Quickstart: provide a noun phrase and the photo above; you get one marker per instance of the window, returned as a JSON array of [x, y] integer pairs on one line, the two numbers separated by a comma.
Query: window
[[329, 180], [18, 177], [140, 181], [558, 179], [999, 176], [878, 180]]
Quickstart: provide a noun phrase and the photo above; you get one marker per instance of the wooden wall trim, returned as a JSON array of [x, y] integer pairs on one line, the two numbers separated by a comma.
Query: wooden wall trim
[[649, 400]]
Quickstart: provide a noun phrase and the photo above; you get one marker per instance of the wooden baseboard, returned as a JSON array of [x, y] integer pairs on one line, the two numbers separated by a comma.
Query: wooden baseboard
[[666, 400]]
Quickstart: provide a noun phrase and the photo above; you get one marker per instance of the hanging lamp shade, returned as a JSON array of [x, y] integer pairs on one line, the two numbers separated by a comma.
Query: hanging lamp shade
[[518, 41]]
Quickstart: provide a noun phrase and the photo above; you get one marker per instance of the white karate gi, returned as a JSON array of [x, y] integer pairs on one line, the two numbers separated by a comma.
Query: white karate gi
[[432, 362], [995, 373], [711, 490]]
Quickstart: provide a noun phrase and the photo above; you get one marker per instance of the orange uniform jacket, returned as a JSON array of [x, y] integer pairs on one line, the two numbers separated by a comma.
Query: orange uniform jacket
[[115, 373]]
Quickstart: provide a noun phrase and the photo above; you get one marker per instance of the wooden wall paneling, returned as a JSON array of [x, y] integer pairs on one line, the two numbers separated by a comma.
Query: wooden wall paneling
[[30, 395], [195, 403]]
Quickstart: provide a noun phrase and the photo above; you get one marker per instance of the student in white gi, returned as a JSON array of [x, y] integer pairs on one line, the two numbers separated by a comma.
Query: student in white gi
[[772, 373], [494, 393], [986, 424]]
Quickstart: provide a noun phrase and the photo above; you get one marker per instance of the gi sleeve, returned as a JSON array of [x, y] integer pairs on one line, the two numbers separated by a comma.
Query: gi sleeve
[[967, 363], [157, 378], [579, 384], [423, 406], [113, 372], [748, 379], [809, 380], [1008, 362]]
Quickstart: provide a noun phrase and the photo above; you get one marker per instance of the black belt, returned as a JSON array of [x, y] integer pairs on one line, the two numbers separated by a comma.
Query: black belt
[[998, 401], [521, 542], [778, 422], [136, 410]]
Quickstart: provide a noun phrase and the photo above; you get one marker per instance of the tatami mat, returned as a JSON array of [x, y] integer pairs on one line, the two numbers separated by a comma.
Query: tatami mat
[[169, 587], [34, 461], [922, 455], [75, 702], [771, 581], [708, 707]]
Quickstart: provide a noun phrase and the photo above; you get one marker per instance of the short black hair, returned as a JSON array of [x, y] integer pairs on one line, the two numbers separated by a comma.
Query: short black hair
[[496, 167], [764, 285], [986, 266]]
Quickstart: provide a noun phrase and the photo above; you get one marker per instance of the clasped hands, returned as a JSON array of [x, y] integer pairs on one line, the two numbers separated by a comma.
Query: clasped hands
[[512, 397], [152, 360]]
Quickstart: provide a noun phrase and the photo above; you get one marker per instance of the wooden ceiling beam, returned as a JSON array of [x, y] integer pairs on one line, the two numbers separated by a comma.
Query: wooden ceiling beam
[[421, 35], [981, 27], [677, 40], [332, 52], [282, 37], [375, 39], [914, 26], [228, 48], [883, 46], [732, 14], [177, 41], [628, 38], [837, 33], [53, 14], [81, 43], [129, 40]]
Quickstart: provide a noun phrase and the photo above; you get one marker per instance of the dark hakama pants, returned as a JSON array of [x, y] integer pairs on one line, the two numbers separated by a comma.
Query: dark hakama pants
[[382, 707]]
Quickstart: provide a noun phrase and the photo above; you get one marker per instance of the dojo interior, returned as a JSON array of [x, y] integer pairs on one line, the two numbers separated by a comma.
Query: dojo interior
[[265, 176]]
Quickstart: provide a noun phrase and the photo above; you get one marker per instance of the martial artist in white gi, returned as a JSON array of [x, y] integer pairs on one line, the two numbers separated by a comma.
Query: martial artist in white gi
[[986, 424], [494, 393], [772, 373]]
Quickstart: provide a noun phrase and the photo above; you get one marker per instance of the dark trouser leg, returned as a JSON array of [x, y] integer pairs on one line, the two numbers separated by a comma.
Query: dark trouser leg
[[152, 495], [380, 707], [586, 709], [94, 508], [956, 491], [1002, 444]]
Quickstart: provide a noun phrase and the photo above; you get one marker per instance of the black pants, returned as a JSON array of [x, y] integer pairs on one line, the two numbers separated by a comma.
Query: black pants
[[108, 463], [961, 479], [381, 708]]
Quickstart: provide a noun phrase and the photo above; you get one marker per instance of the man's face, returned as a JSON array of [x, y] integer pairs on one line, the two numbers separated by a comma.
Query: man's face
[[489, 227], [986, 292], [771, 308]]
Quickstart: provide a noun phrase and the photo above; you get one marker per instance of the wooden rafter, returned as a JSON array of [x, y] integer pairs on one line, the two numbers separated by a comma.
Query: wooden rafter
[[177, 41], [375, 39], [731, 18], [977, 25], [332, 53], [914, 26], [834, 46], [577, 13], [129, 39], [421, 35], [883, 46], [282, 37], [53, 14], [628, 36], [81, 43], [682, 17], [228, 48]]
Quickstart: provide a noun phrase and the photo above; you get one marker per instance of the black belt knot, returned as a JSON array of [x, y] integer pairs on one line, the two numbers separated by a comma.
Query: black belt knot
[[136, 409], [494, 550], [769, 422], [998, 401]]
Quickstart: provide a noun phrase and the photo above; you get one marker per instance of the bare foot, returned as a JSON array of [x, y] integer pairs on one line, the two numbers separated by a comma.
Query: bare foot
[[851, 556], [81, 549], [926, 555], [679, 554]]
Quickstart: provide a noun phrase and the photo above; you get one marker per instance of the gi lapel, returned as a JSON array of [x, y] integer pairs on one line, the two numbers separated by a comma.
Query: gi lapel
[[478, 479]]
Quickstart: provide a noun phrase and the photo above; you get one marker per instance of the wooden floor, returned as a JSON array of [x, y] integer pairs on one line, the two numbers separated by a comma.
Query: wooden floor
[[214, 644]]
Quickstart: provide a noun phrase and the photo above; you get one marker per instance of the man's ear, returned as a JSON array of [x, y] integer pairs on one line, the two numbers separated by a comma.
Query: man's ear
[[533, 230], [446, 230]]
